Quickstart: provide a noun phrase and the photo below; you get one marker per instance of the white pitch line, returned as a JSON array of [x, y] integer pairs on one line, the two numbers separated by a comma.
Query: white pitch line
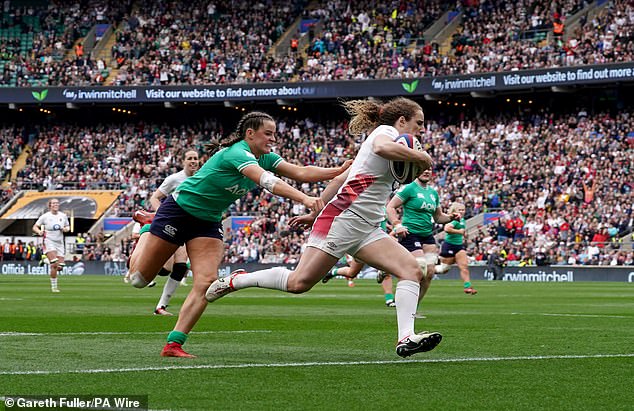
[[575, 315], [315, 364], [27, 334]]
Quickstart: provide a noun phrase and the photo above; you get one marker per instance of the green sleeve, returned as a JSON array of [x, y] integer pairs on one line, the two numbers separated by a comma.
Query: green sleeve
[[270, 161], [239, 159], [404, 193]]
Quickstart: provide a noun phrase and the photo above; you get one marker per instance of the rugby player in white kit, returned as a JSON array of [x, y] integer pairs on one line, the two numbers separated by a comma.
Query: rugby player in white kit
[[51, 226]]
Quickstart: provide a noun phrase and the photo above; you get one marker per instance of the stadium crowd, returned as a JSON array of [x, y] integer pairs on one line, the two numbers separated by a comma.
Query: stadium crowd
[[507, 36], [38, 42], [201, 42], [559, 183]]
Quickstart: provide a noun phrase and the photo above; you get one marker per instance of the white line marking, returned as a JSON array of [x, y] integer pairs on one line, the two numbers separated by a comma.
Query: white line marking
[[575, 315], [11, 299], [314, 364], [25, 334]]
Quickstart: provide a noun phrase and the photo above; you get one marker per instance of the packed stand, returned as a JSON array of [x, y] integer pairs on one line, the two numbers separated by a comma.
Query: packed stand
[[12, 142], [372, 40], [171, 42], [561, 184], [202, 42], [34, 41], [553, 179], [134, 158], [606, 38], [502, 35]]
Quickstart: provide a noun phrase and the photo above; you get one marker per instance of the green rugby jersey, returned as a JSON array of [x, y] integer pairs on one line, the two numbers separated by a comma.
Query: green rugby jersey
[[219, 182], [419, 206], [456, 239]]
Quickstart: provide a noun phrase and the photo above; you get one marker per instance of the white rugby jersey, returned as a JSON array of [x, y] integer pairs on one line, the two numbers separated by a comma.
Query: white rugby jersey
[[369, 183], [172, 181], [53, 224]]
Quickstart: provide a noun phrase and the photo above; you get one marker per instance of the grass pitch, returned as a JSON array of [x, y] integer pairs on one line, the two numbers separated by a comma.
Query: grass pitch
[[513, 346]]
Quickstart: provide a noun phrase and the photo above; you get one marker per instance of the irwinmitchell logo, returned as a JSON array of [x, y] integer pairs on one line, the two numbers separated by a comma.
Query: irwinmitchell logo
[[98, 94], [540, 276], [39, 96]]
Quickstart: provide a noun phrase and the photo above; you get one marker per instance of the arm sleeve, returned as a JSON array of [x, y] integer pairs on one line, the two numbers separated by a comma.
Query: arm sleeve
[[239, 159], [270, 161], [168, 185], [403, 193]]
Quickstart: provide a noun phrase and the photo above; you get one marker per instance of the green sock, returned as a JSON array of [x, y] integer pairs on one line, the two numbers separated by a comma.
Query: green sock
[[334, 271], [177, 337], [467, 284], [389, 297]]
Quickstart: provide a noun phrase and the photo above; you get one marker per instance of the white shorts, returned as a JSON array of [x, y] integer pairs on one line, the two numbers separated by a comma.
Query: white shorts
[[339, 232], [56, 246]]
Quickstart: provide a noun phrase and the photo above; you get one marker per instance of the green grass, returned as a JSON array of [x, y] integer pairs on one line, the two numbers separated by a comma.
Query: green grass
[[487, 360]]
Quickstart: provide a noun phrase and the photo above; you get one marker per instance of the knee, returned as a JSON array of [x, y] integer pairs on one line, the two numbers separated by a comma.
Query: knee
[[298, 286], [178, 271], [412, 269], [202, 281], [138, 280]]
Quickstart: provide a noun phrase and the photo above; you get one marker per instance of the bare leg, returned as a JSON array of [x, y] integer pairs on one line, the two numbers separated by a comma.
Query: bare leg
[[386, 284], [463, 265], [145, 267], [205, 255]]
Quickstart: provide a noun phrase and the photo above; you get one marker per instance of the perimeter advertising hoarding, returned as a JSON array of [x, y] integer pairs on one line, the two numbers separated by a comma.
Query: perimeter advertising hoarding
[[478, 273], [482, 82]]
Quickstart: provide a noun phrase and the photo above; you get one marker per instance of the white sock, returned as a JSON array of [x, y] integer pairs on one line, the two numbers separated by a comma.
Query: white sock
[[406, 297], [275, 278], [168, 291], [54, 282]]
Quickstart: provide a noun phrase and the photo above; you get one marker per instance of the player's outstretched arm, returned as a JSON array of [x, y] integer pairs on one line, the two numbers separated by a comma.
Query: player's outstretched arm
[[326, 195], [267, 180], [310, 174]]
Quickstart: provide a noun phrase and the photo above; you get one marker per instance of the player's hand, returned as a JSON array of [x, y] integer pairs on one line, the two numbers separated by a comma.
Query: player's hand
[[302, 221], [455, 217], [400, 230], [313, 203], [346, 165]]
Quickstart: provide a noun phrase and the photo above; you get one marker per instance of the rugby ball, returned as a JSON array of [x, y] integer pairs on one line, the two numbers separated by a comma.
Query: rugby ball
[[404, 171]]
